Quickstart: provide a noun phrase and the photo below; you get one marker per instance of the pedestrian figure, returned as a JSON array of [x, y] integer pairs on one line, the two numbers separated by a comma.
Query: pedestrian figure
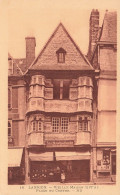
[[62, 176]]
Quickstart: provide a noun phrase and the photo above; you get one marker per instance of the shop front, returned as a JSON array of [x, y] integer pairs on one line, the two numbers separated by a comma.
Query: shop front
[[49, 166], [16, 171], [106, 164]]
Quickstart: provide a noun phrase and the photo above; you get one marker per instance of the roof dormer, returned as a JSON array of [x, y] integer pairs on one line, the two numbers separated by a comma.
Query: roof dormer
[[61, 55]]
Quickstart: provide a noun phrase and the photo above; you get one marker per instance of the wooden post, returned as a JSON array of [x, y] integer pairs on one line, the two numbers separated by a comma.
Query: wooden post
[[27, 167]]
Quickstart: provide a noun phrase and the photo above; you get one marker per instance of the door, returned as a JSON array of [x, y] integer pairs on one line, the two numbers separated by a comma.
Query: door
[[81, 170], [113, 158], [85, 171]]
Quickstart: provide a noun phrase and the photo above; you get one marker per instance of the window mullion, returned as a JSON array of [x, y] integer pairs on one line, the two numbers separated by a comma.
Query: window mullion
[[59, 128], [37, 125]]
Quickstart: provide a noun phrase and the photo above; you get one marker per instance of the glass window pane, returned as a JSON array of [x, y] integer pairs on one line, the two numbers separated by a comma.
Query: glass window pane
[[64, 124], [55, 124]]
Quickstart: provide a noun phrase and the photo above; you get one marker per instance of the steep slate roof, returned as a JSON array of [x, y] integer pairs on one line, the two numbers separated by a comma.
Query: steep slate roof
[[21, 63], [19, 66], [74, 59], [109, 28]]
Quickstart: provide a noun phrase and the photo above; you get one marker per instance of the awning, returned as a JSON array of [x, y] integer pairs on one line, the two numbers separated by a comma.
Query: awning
[[46, 156], [72, 155], [14, 157]]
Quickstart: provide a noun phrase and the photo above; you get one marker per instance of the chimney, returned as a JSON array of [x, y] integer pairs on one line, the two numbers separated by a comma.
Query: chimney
[[93, 29], [30, 50]]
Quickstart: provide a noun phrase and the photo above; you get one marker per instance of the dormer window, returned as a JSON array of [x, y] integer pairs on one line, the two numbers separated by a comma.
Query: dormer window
[[61, 55]]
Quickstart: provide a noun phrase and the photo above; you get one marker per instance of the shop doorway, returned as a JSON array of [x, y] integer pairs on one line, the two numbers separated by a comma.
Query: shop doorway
[[81, 170]]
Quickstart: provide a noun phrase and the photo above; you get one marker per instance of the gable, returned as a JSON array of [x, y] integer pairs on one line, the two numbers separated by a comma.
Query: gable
[[74, 59]]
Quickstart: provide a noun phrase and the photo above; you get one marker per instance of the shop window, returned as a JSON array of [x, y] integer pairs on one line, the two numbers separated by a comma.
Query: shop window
[[9, 128], [9, 98], [83, 124], [106, 157], [61, 55], [60, 124]]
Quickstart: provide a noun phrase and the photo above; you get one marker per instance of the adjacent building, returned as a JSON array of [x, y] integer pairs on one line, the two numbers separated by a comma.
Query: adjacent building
[[61, 117]]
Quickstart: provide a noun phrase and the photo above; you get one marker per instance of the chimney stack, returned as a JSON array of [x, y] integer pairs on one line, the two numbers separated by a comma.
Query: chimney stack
[[30, 50], [93, 29]]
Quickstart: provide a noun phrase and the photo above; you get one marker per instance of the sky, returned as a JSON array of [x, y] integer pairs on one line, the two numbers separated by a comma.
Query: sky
[[40, 18]]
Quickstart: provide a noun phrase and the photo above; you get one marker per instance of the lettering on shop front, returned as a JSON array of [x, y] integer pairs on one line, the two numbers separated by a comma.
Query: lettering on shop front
[[67, 143]]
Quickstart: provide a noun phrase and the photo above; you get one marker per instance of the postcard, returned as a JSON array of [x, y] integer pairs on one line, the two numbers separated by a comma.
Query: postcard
[[59, 97]]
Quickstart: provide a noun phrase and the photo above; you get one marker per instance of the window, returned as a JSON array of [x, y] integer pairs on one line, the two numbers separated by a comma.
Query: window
[[34, 125], [9, 98], [61, 55], [10, 66], [65, 89], [55, 124], [64, 124], [37, 125], [106, 157], [61, 89], [83, 124], [9, 129], [60, 124], [56, 90]]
